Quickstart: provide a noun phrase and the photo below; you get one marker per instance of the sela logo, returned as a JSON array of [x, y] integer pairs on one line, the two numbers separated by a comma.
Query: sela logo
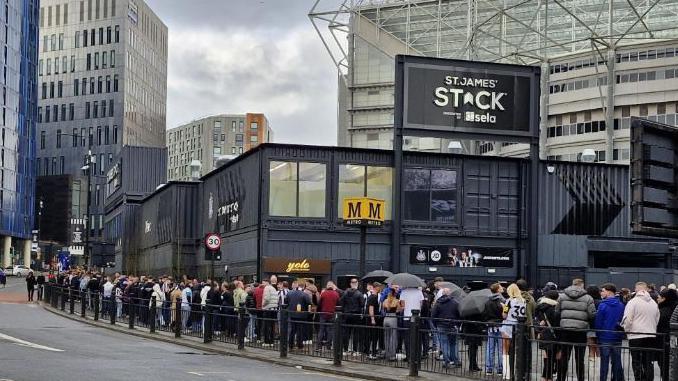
[[147, 227]]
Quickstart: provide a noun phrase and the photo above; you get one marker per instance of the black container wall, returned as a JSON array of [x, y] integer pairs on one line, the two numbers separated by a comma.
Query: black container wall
[[583, 208], [135, 173], [168, 223]]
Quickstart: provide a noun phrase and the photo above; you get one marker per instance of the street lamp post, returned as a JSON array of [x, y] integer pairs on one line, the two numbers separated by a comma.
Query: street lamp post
[[91, 160]]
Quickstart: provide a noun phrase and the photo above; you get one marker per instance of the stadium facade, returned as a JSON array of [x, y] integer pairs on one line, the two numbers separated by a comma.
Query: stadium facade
[[602, 62]]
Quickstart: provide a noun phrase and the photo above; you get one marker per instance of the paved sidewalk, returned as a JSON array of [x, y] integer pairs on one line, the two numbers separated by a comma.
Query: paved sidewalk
[[354, 370]]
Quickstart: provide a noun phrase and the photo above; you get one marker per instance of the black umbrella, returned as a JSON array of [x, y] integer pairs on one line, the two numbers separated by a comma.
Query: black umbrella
[[457, 292], [406, 280], [474, 303], [377, 275]]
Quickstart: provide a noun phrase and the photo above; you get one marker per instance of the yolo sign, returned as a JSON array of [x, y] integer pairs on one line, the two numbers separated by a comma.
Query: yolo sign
[[363, 211]]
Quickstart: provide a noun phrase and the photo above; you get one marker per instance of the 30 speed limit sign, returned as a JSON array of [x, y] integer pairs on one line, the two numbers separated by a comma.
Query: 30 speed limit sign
[[213, 241]]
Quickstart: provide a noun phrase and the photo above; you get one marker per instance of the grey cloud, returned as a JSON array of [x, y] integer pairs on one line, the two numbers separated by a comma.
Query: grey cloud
[[250, 56]]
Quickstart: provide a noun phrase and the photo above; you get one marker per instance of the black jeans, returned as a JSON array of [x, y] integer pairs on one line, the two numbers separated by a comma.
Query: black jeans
[[267, 325], [297, 331], [568, 338], [642, 358], [353, 323]]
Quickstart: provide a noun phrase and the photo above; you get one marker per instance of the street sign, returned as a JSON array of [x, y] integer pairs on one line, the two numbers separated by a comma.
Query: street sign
[[363, 211], [213, 241]]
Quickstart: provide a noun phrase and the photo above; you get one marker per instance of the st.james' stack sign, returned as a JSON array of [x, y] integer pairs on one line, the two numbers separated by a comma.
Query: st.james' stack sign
[[454, 96]]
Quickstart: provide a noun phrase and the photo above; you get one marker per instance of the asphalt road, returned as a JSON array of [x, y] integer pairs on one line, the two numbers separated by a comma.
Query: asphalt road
[[36, 345]]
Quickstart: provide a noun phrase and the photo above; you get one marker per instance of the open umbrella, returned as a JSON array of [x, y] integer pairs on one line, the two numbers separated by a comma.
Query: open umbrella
[[377, 276], [457, 292], [474, 303], [406, 280]]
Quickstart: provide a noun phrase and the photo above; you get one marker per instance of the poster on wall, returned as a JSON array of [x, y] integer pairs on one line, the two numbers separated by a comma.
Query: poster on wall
[[461, 256]]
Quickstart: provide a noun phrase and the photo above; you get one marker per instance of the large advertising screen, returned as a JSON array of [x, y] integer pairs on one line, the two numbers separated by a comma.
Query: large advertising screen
[[468, 97], [461, 256]]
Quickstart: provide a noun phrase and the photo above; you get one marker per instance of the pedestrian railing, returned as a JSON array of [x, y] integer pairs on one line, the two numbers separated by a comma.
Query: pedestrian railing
[[468, 349]]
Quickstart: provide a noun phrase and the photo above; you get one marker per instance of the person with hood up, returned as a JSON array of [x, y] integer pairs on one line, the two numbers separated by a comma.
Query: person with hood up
[[640, 322], [545, 315], [608, 318], [159, 300], [493, 316], [668, 300], [445, 314], [577, 309]]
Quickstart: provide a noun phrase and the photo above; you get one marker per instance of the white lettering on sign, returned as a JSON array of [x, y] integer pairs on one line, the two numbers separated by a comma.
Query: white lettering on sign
[[147, 227], [470, 92], [231, 212], [483, 100], [228, 209]]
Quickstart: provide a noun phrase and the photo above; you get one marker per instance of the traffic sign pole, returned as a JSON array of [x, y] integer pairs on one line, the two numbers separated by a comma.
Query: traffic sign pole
[[213, 245]]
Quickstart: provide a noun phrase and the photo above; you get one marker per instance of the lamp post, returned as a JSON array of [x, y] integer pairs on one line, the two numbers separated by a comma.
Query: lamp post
[[91, 161]]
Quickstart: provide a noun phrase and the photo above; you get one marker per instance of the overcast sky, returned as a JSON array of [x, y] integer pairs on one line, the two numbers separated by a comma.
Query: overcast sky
[[238, 56]]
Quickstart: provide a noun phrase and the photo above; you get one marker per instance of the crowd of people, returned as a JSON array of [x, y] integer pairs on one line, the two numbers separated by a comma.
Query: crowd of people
[[565, 324]]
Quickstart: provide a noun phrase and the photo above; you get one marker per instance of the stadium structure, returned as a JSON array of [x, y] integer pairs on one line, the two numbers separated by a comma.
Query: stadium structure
[[602, 62]]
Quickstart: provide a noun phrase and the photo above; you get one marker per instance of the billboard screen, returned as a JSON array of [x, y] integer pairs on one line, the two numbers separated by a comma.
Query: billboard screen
[[451, 96], [461, 256]]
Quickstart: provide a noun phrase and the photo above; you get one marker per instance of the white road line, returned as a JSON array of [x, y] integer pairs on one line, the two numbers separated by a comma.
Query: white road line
[[28, 343]]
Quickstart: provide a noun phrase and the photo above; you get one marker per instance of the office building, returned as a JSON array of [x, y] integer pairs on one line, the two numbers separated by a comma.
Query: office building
[[17, 137], [592, 54], [210, 138], [102, 77]]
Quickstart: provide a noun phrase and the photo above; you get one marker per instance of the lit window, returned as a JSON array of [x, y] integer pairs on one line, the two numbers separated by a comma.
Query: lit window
[[297, 189]]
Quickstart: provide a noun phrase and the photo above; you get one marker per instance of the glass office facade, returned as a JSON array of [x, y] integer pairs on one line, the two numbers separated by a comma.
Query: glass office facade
[[19, 113]]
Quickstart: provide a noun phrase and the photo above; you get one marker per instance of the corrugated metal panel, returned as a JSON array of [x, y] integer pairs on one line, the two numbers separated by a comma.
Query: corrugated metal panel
[[230, 197], [143, 178], [584, 199]]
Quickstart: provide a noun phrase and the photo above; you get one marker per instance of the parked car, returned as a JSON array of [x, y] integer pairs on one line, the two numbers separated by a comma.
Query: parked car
[[20, 270]]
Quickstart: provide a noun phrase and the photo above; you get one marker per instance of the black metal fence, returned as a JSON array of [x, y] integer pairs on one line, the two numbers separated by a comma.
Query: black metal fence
[[468, 349]]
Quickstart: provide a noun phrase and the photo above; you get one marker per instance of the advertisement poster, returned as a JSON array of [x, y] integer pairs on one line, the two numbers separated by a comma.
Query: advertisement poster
[[461, 256]]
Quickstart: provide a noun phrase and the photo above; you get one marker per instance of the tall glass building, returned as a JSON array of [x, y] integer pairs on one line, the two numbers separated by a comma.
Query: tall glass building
[[19, 22]]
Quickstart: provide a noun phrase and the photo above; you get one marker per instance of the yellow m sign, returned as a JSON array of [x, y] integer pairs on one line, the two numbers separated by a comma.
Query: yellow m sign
[[363, 211]]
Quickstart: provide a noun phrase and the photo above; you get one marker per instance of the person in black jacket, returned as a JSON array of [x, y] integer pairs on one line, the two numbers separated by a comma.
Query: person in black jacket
[[228, 322], [445, 315], [668, 300], [30, 285], [493, 317], [298, 307], [547, 319], [352, 306], [41, 285]]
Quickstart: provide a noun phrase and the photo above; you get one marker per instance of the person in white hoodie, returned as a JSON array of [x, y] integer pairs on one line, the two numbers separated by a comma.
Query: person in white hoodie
[[640, 324], [159, 300]]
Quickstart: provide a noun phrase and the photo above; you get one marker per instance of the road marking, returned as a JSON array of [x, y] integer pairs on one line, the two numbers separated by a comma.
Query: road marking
[[28, 343], [202, 374]]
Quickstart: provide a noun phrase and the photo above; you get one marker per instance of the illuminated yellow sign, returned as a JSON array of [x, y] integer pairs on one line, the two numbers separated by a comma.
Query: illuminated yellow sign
[[363, 211]]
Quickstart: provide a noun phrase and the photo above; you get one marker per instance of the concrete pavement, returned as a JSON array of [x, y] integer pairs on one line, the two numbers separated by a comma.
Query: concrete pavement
[[36, 345]]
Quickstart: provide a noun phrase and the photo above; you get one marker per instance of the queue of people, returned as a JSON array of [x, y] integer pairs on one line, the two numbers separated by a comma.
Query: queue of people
[[376, 317]]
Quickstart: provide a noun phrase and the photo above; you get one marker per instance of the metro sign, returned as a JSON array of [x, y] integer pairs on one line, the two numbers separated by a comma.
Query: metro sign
[[363, 211]]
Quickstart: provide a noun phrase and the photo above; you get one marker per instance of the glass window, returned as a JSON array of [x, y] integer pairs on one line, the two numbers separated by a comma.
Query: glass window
[[297, 189], [311, 190], [361, 181], [282, 189], [416, 193], [430, 195]]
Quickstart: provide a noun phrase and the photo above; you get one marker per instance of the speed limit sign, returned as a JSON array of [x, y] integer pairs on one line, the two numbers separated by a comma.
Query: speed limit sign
[[213, 241]]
